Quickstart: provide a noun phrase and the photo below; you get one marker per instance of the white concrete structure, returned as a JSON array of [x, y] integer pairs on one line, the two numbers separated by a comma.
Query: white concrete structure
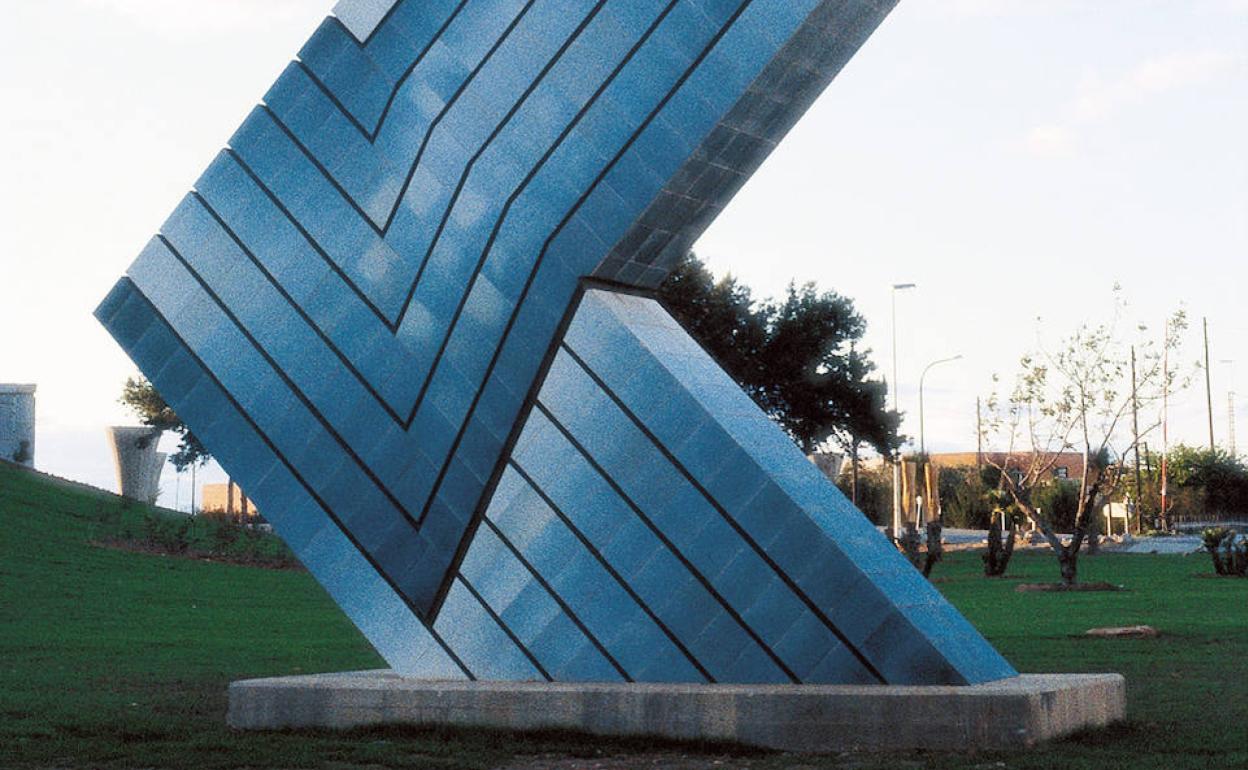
[[137, 462], [830, 463], [17, 424], [1009, 714]]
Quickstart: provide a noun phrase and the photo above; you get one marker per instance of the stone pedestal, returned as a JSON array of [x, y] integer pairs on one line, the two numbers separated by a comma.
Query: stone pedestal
[[137, 462], [17, 424], [1011, 713]]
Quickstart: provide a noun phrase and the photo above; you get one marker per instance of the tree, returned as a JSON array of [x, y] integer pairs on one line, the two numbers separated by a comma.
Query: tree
[[798, 358], [1214, 480], [141, 397], [1079, 398]]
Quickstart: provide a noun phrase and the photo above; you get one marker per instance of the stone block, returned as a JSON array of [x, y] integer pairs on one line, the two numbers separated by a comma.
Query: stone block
[[1009, 714]]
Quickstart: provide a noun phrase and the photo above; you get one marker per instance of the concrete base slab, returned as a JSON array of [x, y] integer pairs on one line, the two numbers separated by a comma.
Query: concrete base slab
[[1007, 714]]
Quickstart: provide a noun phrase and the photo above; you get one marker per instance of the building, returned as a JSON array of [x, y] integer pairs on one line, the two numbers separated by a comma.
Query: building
[[1066, 466], [226, 498], [17, 424]]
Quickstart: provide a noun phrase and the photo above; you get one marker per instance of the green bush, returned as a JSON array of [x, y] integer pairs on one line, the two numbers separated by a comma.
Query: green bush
[[207, 536], [965, 497], [1204, 484], [1059, 502]]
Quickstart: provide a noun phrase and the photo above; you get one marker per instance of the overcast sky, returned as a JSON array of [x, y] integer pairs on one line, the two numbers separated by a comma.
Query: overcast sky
[[1014, 158]]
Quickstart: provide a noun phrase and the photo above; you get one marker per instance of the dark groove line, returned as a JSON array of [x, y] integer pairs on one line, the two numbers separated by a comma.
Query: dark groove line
[[513, 436], [506, 630], [342, 357], [333, 98], [393, 326], [693, 570], [617, 287], [406, 423], [281, 373], [520, 189], [424, 142], [702, 490], [563, 605], [515, 314], [489, 141], [380, 24], [255, 178], [333, 181], [671, 635], [402, 81], [302, 481], [446, 110]]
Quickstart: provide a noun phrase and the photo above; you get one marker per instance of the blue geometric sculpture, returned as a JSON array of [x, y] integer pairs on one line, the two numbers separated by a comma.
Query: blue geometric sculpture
[[404, 309]]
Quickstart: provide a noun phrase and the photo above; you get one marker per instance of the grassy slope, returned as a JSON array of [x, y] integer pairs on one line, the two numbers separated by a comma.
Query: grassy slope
[[113, 659]]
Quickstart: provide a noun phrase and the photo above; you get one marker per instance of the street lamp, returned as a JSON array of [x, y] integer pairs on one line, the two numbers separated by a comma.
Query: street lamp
[[922, 377], [896, 463]]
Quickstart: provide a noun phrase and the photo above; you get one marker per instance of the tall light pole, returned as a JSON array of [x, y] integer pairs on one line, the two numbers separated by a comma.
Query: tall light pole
[[922, 377], [896, 460], [1230, 407], [1208, 385]]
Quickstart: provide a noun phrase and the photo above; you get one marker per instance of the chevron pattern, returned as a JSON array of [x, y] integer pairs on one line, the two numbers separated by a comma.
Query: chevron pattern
[[365, 304]]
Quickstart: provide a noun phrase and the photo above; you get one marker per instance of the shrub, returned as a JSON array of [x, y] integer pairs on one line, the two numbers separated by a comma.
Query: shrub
[[875, 493], [965, 496], [208, 536], [1228, 550], [1060, 502]]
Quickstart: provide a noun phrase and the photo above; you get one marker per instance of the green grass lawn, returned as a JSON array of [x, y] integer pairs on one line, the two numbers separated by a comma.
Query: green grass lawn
[[111, 659]]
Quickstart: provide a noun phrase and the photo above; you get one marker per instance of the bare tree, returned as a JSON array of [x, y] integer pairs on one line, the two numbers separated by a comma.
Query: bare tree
[[1078, 399]]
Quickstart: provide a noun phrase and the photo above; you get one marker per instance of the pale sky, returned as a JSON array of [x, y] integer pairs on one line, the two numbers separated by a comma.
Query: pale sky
[[1015, 158]]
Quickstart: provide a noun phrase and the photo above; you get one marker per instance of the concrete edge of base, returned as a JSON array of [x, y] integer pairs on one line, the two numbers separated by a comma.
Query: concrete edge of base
[[1008, 714]]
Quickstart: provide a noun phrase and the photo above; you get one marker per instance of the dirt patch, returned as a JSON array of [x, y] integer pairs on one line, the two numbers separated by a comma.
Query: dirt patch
[[666, 761], [1123, 632], [1061, 588]]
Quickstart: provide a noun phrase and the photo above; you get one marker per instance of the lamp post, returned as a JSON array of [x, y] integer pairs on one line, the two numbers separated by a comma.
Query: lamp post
[[922, 378], [896, 460]]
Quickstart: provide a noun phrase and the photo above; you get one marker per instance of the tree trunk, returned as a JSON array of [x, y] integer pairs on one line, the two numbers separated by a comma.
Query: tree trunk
[[1218, 566], [935, 547], [1000, 548], [1068, 557], [1068, 564], [909, 543]]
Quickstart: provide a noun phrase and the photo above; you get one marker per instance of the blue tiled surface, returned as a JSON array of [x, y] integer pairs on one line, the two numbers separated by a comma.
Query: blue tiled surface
[[825, 592], [364, 291]]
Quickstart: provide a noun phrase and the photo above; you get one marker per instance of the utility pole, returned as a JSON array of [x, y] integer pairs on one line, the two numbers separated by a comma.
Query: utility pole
[[1230, 407], [1165, 434], [979, 433], [1208, 384], [1135, 428]]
